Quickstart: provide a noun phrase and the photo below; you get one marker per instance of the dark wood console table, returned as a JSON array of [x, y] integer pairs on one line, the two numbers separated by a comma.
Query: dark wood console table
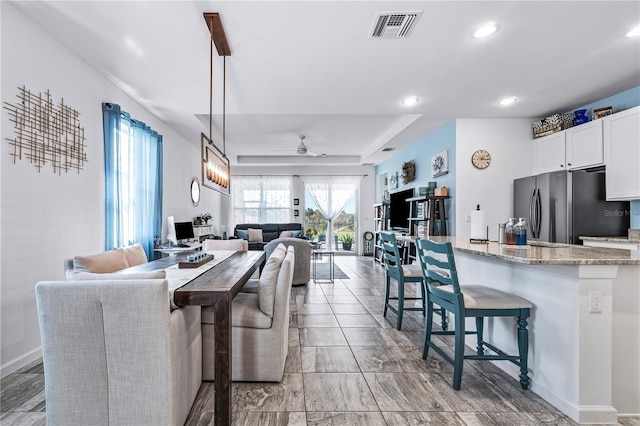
[[217, 287]]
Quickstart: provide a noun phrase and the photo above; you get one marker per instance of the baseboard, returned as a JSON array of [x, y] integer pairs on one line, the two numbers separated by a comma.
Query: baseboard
[[584, 414], [18, 363]]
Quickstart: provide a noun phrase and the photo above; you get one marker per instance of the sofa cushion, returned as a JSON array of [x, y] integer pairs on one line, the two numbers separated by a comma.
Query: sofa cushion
[[284, 234], [269, 236], [109, 261], [296, 234], [90, 276], [243, 233], [269, 280], [255, 235], [135, 255]]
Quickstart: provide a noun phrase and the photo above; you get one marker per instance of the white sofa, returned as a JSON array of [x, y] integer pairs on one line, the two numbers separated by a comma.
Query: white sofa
[[260, 326], [114, 352]]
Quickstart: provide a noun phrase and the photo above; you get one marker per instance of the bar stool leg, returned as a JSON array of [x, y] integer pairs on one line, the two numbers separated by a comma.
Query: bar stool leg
[[480, 332], [386, 296], [400, 303], [444, 322], [459, 351], [427, 332], [523, 348]]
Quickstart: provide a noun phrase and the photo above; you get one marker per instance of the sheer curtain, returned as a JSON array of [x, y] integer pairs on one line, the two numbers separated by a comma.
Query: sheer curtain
[[331, 194], [262, 199], [133, 180]]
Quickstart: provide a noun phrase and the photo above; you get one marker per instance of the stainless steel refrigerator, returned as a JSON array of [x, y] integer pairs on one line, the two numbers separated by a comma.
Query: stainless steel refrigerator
[[562, 206]]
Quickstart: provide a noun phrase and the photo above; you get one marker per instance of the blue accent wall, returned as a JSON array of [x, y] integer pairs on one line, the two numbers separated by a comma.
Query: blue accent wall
[[421, 152]]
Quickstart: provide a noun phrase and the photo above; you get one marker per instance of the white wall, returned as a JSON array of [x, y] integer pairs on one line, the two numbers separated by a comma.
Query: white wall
[[364, 197], [509, 143], [45, 217]]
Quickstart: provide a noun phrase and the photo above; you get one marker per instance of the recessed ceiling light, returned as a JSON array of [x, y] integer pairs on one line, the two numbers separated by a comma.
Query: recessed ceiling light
[[485, 31], [634, 32], [410, 101], [508, 101]]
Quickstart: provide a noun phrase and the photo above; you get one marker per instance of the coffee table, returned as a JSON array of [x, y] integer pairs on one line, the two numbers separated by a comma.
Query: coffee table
[[316, 256]]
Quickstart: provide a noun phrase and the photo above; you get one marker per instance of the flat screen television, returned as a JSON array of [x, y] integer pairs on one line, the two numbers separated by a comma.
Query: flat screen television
[[399, 210], [184, 231]]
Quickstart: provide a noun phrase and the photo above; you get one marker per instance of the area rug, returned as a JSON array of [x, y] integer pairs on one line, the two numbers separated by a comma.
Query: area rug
[[322, 272]]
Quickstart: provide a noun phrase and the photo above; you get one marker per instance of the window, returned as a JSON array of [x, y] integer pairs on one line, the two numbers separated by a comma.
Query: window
[[133, 181], [262, 199]]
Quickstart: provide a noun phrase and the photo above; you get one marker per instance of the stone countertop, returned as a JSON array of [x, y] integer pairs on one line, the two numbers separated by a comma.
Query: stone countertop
[[541, 253], [612, 239]]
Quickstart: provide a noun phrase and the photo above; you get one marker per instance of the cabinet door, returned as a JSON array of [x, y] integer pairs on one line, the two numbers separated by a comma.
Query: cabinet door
[[622, 154], [584, 145], [549, 153]]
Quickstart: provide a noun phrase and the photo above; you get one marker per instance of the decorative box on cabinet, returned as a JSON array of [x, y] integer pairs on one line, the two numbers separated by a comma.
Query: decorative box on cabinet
[[549, 153], [622, 154], [584, 145]]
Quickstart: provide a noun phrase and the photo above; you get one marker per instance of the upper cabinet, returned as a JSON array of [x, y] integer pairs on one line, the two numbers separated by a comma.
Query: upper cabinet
[[584, 146], [549, 155], [622, 154], [575, 148]]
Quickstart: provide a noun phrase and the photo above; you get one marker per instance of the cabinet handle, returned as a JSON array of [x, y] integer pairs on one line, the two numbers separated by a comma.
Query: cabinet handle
[[561, 165], [568, 164]]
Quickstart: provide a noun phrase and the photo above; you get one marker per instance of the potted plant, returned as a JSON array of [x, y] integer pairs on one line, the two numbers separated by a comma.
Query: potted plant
[[347, 240]]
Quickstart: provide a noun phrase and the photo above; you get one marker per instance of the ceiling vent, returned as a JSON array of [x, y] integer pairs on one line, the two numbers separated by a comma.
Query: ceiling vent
[[394, 24], [387, 149]]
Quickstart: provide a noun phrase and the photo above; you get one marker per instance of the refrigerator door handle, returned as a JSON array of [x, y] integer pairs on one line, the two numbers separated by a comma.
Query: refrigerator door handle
[[538, 213], [532, 213]]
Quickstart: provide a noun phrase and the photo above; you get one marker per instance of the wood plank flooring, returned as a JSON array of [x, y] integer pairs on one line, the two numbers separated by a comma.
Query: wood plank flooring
[[347, 365]]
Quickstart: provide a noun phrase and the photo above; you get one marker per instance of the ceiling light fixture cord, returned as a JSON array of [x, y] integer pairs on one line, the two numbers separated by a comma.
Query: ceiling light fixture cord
[[211, 83], [224, 106]]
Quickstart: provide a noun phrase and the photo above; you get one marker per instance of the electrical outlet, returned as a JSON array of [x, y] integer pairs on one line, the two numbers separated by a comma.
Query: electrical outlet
[[595, 301], [468, 218]]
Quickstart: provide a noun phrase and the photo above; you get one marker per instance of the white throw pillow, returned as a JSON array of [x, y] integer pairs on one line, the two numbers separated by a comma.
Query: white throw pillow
[[285, 234], [269, 280], [255, 235], [135, 255]]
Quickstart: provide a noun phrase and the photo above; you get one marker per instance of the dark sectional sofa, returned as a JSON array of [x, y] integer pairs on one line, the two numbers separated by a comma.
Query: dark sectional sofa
[[270, 231]]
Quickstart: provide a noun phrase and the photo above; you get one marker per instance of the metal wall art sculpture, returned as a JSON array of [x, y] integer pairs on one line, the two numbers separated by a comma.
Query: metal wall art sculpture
[[46, 133]]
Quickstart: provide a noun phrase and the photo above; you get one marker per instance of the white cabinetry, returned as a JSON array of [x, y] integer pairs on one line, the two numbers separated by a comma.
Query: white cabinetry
[[549, 154], [622, 154], [584, 145]]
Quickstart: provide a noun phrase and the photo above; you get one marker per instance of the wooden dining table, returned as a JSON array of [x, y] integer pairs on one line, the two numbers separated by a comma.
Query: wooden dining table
[[216, 287]]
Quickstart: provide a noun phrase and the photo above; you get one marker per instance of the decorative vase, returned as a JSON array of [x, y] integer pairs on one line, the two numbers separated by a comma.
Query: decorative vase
[[580, 118]]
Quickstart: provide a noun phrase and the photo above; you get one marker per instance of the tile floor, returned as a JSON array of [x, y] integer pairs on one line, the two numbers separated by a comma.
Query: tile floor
[[347, 365]]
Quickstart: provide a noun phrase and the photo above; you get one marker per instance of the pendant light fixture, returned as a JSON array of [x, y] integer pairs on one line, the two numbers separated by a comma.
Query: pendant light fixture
[[215, 164]]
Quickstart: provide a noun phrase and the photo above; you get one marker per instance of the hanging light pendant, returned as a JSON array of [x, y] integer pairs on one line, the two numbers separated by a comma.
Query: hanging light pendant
[[215, 164]]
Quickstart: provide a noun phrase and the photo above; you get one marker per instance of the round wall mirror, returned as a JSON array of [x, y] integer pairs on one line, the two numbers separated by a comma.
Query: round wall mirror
[[195, 191]]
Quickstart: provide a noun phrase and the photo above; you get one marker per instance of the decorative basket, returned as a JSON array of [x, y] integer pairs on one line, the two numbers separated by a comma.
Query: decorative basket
[[552, 124]]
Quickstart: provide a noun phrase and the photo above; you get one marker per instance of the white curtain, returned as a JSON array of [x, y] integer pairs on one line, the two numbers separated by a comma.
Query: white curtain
[[331, 194], [262, 199]]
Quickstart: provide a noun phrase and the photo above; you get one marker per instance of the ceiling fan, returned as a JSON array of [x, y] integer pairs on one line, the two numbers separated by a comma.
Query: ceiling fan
[[302, 148]]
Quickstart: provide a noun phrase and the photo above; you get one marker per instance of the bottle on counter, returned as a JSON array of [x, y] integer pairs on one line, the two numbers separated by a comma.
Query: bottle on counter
[[521, 232], [509, 230]]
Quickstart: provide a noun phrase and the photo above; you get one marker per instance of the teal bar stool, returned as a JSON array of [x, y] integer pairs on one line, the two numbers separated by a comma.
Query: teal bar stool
[[402, 274], [475, 301]]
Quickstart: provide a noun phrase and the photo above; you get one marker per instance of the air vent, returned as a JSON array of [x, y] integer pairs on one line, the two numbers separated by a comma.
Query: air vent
[[394, 24], [387, 149]]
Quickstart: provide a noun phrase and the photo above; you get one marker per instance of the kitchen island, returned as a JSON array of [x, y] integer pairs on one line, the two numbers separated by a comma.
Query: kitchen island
[[584, 355]]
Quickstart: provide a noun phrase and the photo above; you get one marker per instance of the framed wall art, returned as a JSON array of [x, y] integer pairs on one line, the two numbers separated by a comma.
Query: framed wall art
[[393, 180], [440, 164]]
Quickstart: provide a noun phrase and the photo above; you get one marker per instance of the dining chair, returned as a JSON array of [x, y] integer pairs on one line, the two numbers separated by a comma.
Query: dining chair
[[469, 301], [402, 274]]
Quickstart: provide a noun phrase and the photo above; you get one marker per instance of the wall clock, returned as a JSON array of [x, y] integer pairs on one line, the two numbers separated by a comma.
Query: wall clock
[[481, 159]]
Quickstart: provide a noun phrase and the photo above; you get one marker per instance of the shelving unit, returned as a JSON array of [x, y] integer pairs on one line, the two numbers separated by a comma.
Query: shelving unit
[[381, 223], [427, 212]]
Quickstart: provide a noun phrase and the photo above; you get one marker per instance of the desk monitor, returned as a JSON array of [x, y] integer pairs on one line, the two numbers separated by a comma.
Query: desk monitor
[[184, 231]]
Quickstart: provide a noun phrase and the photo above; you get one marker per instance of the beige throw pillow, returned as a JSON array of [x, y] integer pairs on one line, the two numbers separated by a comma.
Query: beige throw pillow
[[285, 234], [255, 235], [109, 261], [90, 276], [269, 280], [135, 255]]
